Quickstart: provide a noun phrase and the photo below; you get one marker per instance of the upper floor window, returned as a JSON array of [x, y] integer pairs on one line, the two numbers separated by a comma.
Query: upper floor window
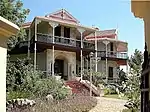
[[58, 31], [66, 32], [111, 46]]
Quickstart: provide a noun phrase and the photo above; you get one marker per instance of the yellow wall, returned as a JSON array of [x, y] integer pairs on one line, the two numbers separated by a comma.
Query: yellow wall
[[141, 9], [7, 29], [3, 54]]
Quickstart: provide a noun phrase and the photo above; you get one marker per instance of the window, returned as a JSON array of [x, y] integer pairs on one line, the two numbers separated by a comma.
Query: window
[[111, 47], [110, 75], [58, 31], [66, 32]]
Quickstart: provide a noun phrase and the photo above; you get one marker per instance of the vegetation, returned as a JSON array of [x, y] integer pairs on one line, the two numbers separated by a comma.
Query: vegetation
[[97, 77], [13, 11], [71, 104], [132, 86], [23, 82]]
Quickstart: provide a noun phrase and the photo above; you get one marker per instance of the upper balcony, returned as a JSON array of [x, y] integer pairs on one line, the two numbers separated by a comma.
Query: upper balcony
[[113, 54], [58, 40]]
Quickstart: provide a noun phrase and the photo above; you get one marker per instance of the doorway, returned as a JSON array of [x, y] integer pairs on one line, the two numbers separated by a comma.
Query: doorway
[[59, 67]]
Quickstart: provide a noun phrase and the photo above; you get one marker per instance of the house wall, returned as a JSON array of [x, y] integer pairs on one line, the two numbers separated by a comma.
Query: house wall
[[102, 67], [69, 61], [45, 28], [102, 47]]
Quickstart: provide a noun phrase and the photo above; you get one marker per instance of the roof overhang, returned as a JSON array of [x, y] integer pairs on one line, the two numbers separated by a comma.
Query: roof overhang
[[66, 23], [7, 28], [140, 8]]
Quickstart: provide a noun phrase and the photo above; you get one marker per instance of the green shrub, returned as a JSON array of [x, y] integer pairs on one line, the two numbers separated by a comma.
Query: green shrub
[[129, 110], [51, 86], [17, 94], [109, 89], [24, 82], [106, 91]]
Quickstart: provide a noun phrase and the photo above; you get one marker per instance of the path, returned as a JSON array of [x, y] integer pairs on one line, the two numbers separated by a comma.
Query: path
[[109, 105]]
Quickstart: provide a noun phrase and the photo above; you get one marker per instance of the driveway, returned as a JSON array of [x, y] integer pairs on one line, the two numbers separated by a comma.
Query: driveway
[[109, 105]]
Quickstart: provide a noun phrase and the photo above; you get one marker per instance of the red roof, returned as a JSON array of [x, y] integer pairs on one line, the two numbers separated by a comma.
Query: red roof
[[63, 15], [104, 34]]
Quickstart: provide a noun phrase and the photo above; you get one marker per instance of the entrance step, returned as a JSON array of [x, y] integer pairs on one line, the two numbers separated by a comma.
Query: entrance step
[[82, 87]]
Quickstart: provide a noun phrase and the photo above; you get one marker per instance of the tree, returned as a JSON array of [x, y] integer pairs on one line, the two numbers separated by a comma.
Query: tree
[[13, 11], [132, 90]]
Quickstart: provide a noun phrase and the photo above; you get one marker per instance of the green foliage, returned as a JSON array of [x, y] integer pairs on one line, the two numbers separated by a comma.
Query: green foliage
[[135, 62], [17, 94], [51, 86], [97, 77], [129, 110], [13, 11], [132, 85], [22, 78], [20, 75], [110, 89]]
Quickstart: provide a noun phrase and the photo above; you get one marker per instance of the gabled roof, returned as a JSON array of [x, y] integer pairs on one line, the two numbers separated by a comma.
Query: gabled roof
[[104, 34], [63, 15]]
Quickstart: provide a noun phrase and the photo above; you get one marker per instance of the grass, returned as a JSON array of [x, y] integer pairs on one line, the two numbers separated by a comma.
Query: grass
[[115, 96]]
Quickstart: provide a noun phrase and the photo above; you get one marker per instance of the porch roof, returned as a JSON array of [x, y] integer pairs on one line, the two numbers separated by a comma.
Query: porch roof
[[112, 33]]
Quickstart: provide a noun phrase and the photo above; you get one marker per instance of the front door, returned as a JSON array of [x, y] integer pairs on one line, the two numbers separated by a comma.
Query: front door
[[110, 75], [59, 67]]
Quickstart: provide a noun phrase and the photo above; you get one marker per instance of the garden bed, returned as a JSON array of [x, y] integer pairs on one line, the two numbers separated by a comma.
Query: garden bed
[[71, 104]]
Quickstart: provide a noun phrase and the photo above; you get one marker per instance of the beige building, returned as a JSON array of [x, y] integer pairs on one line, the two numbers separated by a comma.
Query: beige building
[[59, 45], [141, 9], [7, 29]]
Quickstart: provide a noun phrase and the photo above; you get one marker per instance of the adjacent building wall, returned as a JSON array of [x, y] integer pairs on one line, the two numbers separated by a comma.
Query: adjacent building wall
[[102, 47], [102, 67]]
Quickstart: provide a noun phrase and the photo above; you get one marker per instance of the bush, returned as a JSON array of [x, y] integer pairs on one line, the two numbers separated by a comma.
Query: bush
[[50, 85], [129, 110], [20, 75], [25, 82], [17, 94], [97, 77], [110, 89]]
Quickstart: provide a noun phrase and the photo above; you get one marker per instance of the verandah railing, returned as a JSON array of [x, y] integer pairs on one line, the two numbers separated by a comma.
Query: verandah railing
[[64, 41], [112, 54]]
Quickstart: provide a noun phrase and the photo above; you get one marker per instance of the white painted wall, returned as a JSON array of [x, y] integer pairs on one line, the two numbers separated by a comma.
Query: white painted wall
[[69, 60]]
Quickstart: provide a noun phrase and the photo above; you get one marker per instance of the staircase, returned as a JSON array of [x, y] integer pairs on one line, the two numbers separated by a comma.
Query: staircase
[[82, 87]]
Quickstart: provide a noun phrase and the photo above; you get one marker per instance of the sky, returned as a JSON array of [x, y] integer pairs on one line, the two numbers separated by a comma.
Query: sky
[[105, 14]]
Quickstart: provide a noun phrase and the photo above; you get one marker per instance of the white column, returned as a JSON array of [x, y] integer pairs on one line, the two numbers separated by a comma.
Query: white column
[[35, 39], [53, 24], [49, 62], [87, 64], [81, 30], [69, 71], [29, 38], [106, 43], [90, 77], [95, 53]]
